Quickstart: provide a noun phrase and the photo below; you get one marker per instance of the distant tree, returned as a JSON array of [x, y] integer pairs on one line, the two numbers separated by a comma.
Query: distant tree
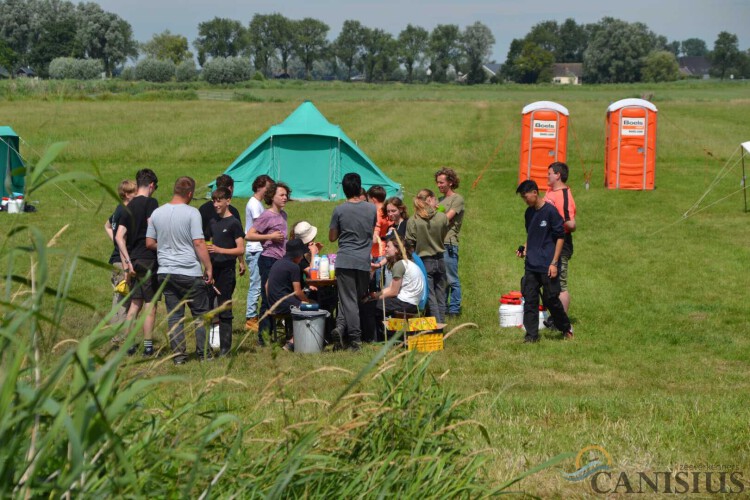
[[8, 58], [725, 56], [37, 31], [227, 70], [573, 39], [186, 71], [477, 41], [534, 64], [661, 66], [444, 50], [75, 69], [546, 35], [743, 66], [260, 42], [311, 42], [693, 47], [283, 38], [412, 43], [674, 47], [508, 70], [155, 70], [348, 45], [17, 19], [167, 47], [56, 38], [104, 35], [378, 54], [220, 37], [617, 50]]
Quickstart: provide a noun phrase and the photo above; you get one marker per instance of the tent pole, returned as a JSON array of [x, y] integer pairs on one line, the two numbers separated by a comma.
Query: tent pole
[[744, 181]]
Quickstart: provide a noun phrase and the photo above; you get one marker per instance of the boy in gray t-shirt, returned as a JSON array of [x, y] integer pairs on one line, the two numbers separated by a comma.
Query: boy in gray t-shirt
[[175, 231], [353, 225]]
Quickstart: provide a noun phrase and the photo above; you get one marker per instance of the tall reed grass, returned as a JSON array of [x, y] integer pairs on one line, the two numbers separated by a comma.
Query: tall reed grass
[[74, 422]]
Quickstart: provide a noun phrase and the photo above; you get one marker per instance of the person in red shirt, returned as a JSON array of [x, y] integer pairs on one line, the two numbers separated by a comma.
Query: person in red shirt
[[561, 198], [376, 196]]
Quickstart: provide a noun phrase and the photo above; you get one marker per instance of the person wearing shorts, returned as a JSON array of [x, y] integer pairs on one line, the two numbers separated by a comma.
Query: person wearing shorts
[[561, 198], [137, 260], [120, 301]]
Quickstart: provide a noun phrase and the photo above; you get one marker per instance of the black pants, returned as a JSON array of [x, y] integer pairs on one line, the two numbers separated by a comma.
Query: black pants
[[181, 289], [224, 281], [530, 285], [371, 321], [394, 306], [352, 286], [264, 266]]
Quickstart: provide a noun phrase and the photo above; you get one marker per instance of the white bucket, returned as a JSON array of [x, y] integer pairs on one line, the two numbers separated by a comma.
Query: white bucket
[[14, 206], [510, 315], [309, 330]]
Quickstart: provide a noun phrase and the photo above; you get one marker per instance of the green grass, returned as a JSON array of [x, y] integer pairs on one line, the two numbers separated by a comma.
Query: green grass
[[659, 371]]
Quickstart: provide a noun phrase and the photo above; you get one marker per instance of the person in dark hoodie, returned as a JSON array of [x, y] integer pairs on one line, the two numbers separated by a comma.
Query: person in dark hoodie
[[544, 244], [426, 231]]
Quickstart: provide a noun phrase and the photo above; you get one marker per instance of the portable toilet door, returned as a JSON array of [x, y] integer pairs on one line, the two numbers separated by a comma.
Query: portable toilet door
[[544, 140], [630, 159]]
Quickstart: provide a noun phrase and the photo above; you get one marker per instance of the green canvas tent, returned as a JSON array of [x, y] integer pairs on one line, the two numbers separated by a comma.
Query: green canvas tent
[[12, 165], [309, 154]]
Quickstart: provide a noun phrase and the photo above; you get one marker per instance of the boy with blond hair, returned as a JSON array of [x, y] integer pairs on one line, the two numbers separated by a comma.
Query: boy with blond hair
[[126, 191]]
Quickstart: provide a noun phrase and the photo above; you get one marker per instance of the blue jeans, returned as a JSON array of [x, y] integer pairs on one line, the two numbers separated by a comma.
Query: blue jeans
[[453, 290], [253, 291]]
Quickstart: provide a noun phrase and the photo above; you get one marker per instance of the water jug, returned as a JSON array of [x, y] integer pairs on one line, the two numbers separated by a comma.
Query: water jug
[[324, 268]]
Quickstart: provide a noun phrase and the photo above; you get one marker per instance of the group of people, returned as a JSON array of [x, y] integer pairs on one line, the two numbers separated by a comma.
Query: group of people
[[192, 256]]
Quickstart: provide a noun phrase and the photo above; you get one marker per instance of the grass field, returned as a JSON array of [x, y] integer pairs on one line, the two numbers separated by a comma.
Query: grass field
[[659, 371]]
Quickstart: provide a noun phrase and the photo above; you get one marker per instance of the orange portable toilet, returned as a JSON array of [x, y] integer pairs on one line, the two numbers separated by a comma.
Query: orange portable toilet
[[544, 140], [630, 158]]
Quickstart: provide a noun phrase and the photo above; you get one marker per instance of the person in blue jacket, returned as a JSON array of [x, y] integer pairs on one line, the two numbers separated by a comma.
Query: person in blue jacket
[[544, 243]]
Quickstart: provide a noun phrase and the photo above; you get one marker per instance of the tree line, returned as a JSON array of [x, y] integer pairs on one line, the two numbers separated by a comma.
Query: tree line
[[615, 51], [37, 32], [278, 44]]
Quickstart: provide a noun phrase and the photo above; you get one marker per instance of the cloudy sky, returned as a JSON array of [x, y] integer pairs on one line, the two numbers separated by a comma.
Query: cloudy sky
[[508, 19]]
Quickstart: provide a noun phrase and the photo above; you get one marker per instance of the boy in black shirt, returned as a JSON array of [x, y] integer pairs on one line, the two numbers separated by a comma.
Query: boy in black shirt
[[544, 242], [284, 278], [225, 240]]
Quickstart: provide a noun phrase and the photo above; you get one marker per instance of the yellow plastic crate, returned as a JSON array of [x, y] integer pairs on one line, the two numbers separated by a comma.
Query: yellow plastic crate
[[412, 324], [426, 342]]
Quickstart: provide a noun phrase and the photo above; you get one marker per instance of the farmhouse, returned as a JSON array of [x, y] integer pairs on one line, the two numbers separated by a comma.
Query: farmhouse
[[567, 73], [694, 67]]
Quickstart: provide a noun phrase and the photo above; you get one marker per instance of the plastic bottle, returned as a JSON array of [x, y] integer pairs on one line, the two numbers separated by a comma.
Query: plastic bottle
[[331, 269], [324, 268], [314, 268]]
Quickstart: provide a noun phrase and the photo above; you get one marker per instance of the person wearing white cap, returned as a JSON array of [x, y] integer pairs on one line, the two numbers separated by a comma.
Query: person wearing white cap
[[306, 232]]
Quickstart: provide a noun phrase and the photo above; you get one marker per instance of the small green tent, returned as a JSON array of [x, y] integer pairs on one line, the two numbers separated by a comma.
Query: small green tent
[[309, 154], [12, 165]]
